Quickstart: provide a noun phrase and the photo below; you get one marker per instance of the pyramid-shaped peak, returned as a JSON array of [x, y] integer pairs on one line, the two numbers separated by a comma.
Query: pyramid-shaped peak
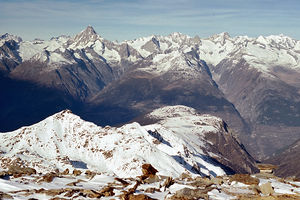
[[90, 30], [84, 38]]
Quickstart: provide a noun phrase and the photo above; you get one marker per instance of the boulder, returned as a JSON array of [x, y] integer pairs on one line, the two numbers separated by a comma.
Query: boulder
[[148, 170], [266, 188], [5, 196], [244, 178], [18, 171], [89, 174], [90, 193], [168, 182], [76, 172], [107, 191], [123, 182], [202, 182], [188, 193], [139, 197], [49, 177], [217, 181], [152, 190], [65, 172], [152, 179]]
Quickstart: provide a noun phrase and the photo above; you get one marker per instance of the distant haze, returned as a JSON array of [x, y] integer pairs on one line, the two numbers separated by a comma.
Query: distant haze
[[129, 19]]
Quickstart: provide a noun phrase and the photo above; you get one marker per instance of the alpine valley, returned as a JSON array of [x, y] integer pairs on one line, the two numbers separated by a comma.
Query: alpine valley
[[186, 105]]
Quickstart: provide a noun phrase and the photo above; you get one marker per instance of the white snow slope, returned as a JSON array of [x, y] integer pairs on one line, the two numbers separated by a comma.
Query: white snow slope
[[64, 137]]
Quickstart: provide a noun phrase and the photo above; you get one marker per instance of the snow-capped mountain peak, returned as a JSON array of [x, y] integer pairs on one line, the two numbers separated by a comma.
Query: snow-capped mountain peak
[[178, 37], [220, 37], [85, 38], [62, 38], [63, 137], [8, 37], [86, 33]]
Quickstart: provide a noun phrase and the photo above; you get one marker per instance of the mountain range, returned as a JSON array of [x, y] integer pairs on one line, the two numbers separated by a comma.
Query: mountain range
[[253, 84]]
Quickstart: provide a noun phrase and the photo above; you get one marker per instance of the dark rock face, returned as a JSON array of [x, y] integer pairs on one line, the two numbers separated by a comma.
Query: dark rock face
[[152, 45], [25, 103], [287, 161], [259, 99], [11, 59], [265, 102], [79, 80], [139, 92], [233, 155]]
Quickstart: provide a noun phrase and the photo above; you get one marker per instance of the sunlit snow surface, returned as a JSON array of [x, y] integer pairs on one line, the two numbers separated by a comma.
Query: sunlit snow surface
[[172, 145], [261, 53], [116, 151]]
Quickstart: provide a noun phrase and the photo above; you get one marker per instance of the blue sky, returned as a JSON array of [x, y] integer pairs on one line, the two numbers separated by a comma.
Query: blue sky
[[129, 19]]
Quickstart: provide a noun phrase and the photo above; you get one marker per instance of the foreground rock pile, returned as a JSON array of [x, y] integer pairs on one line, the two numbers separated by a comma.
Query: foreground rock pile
[[25, 183]]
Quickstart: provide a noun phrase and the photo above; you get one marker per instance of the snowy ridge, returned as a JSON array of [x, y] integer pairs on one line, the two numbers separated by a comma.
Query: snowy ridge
[[64, 137], [262, 53], [84, 39], [56, 47], [186, 120], [175, 146], [190, 128]]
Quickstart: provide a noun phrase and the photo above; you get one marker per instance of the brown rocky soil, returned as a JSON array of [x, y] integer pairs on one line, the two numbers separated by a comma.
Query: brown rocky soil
[[153, 184], [244, 178]]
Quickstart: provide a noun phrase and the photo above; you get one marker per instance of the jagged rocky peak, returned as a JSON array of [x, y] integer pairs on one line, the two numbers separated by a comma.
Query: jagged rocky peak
[[61, 38], [279, 41], [89, 32], [225, 35], [177, 34], [153, 45], [85, 37], [179, 37], [8, 37], [221, 37]]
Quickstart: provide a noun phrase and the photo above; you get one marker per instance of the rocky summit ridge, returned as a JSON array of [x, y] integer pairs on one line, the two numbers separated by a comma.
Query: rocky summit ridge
[[57, 141], [181, 155]]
